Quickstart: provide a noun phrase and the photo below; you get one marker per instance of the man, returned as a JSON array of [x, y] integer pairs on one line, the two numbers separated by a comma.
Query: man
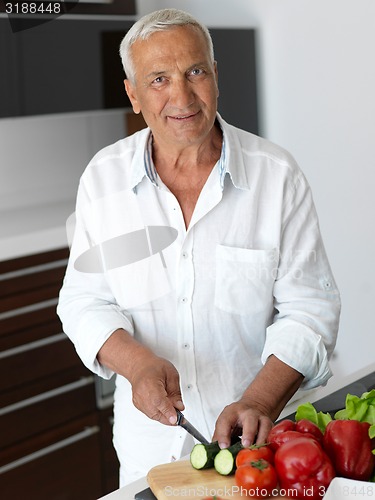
[[213, 294]]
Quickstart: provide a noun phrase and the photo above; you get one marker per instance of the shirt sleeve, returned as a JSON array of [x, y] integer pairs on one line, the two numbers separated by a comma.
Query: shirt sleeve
[[306, 299], [87, 308]]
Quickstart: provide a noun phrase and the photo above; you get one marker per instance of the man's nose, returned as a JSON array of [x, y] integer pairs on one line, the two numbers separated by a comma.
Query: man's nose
[[182, 95]]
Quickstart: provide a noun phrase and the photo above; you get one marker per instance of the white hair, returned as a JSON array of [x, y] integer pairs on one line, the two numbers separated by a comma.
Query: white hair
[[160, 20]]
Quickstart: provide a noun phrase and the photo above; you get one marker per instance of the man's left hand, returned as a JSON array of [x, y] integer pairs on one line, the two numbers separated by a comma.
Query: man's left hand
[[242, 418]]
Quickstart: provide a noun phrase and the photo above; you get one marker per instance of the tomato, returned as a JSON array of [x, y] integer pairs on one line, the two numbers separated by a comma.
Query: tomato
[[258, 478], [253, 454]]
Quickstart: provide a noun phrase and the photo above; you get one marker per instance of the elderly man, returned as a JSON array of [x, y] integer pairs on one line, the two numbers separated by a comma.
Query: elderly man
[[230, 306]]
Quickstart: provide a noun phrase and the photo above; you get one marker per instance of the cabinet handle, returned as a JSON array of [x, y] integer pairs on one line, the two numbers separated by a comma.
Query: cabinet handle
[[87, 432], [26, 309], [47, 395], [52, 339], [33, 269]]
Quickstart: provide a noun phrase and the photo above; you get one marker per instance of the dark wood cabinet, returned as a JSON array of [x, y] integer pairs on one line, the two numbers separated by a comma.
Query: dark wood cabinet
[[55, 442], [57, 67]]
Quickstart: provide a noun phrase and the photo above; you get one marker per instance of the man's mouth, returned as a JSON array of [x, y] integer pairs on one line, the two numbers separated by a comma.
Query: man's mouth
[[183, 117]]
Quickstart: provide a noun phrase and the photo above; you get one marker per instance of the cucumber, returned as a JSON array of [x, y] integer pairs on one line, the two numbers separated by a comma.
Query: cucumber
[[202, 455], [225, 460]]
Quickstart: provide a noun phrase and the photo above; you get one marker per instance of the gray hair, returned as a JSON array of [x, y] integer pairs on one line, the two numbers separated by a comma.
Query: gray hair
[[160, 20]]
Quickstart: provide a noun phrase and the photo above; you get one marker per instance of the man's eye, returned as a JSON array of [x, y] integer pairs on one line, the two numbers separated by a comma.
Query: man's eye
[[197, 71], [158, 80]]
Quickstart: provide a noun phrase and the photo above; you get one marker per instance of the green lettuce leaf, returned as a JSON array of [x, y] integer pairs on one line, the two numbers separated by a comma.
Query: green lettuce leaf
[[358, 408], [307, 411]]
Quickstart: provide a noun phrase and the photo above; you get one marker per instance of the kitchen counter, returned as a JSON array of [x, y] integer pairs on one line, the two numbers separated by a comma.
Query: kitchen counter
[[34, 229], [335, 389]]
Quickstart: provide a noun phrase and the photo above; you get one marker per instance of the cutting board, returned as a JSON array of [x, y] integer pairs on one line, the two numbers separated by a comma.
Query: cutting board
[[180, 480]]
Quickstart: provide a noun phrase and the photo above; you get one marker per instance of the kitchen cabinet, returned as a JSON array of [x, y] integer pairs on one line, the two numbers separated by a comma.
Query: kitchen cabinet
[[55, 442], [57, 67]]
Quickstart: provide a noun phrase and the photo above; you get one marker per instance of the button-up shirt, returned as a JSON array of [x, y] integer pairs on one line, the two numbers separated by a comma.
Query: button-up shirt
[[248, 278]]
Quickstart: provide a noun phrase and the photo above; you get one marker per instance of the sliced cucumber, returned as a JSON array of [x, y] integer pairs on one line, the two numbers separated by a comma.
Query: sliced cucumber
[[225, 460], [202, 455]]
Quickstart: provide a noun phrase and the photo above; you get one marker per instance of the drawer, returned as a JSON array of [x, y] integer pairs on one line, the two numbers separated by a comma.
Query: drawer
[[29, 289], [34, 260], [42, 321], [37, 360], [66, 468], [28, 281], [29, 417]]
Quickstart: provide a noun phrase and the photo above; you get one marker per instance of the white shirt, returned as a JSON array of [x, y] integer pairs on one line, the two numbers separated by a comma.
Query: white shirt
[[247, 279]]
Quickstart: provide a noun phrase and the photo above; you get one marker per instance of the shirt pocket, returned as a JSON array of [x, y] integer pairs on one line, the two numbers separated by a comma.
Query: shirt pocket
[[244, 279]]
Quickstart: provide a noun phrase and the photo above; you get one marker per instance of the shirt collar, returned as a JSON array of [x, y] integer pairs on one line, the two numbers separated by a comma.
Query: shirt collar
[[143, 165], [232, 155]]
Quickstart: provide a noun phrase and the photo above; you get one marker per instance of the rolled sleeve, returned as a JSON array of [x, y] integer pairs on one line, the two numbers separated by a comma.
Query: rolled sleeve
[[302, 349], [88, 319], [92, 332]]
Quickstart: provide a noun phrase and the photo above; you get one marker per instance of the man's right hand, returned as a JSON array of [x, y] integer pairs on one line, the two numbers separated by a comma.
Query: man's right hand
[[156, 390], [155, 381]]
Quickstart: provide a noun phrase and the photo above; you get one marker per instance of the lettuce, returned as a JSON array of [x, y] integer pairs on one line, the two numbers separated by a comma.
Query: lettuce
[[359, 408], [356, 408]]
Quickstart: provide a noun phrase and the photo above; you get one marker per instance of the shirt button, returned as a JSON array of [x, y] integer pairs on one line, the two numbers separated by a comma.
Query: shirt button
[[185, 255], [184, 300], [189, 386], [186, 346]]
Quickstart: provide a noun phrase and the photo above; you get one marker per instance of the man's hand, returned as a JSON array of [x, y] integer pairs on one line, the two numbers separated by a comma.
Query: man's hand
[[155, 381], [242, 419], [253, 415], [156, 390]]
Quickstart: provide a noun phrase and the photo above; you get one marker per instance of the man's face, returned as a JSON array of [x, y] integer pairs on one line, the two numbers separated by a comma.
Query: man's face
[[175, 86]]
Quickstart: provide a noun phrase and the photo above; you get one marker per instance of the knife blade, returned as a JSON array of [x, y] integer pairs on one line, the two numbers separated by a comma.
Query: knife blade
[[185, 424]]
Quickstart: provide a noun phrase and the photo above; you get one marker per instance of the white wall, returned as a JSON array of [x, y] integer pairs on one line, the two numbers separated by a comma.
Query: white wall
[[43, 157], [317, 99]]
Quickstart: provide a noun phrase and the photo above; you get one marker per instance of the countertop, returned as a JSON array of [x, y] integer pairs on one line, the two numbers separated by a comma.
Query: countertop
[[333, 385], [34, 229]]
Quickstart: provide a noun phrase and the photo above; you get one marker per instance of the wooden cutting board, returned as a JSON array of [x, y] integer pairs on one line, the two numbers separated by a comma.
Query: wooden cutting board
[[181, 480]]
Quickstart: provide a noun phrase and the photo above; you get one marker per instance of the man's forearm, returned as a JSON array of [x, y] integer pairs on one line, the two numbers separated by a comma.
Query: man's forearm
[[253, 415], [154, 380], [121, 353], [272, 388]]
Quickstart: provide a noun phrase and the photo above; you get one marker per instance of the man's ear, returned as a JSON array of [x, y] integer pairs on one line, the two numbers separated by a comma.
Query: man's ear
[[216, 77], [132, 94]]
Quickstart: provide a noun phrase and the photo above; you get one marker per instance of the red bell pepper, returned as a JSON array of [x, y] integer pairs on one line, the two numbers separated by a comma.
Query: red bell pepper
[[349, 446], [304, 468], [286, 430]]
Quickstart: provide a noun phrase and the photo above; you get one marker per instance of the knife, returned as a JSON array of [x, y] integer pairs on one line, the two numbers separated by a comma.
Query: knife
[[185, 424]]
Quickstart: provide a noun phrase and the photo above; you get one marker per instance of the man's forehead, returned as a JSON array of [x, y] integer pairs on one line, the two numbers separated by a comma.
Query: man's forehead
[[158, 54], [160, 39]]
